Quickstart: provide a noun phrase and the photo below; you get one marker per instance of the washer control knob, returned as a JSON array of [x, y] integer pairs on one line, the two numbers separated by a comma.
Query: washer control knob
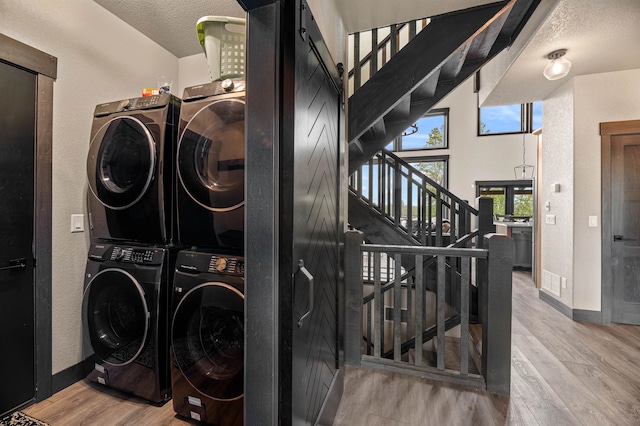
[[124, 105], [117, 254], [221, 264], [227, 85]]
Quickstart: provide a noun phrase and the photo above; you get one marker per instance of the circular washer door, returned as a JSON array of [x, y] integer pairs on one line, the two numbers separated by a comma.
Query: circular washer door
[[211, 156], [121, 162], [207, 339], [115, 316]]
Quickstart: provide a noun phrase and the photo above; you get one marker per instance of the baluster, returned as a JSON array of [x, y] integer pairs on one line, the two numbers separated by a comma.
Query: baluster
[[369, 344], [370, 183], [382, 184], [410, 203], [420, 299], [379, 308], [453, 216], [373, 60], [440, 308], [410, 297], [412, 30], [397, 308], [397, 194], [439, 217], [357, 72], [394, 39], [464, 317]]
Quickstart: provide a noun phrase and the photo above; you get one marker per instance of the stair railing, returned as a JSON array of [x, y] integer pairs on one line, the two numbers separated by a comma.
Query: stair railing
[[415, 204], [405, 312], [370, 50]]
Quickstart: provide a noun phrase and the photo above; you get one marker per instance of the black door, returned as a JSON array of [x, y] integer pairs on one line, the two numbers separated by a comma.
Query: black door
[[316, 234], [17, 137]]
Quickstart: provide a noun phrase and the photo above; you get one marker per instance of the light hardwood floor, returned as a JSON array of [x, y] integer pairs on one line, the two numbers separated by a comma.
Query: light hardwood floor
[[562, 373]]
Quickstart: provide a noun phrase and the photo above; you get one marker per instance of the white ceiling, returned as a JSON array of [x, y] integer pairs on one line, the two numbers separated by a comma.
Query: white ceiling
[[600, 35]]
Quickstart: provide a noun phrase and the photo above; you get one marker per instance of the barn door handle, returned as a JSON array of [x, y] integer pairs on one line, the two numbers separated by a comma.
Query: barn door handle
[[15, 264], [621, 238], [309, 278]]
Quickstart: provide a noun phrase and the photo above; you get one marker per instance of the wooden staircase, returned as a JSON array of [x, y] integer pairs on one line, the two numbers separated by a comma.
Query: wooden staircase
[[438, 58], [392, 203]]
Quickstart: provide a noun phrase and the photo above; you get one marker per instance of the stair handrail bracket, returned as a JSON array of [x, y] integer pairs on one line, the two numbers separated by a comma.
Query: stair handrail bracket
[[424, 323]]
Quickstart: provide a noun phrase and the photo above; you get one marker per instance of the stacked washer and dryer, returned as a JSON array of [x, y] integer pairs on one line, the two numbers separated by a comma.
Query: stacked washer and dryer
[[126, 304], [207, 331], [163, 305]]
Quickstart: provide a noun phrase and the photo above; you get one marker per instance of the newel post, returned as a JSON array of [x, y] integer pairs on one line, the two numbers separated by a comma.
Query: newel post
[[496, 326], [485, 218], [353, 297]]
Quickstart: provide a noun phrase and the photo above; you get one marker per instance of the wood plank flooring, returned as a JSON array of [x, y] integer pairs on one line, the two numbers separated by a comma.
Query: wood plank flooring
[[562, 373]]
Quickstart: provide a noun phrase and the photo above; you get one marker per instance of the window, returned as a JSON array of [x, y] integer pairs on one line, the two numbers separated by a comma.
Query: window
[[511, 198], [505, 119], [434, 167], [429, 132]]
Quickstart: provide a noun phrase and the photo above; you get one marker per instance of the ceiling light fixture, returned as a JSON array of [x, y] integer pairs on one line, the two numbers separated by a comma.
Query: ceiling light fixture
[[558, 67]]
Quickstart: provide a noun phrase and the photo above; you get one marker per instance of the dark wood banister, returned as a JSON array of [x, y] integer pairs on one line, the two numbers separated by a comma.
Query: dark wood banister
[[440, 198]]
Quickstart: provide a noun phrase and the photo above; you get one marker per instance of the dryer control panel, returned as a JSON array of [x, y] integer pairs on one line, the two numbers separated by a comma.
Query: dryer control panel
[[133, 104], [126, 254], [214, 263]]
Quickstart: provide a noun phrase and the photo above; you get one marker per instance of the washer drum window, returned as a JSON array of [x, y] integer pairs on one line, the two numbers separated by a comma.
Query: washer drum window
[[208, 340], [121, 162], [116, 316], [211, 156]]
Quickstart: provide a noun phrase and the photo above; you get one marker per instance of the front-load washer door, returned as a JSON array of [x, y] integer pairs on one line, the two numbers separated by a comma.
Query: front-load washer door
[[115, 316], [211, 156], [207, 339], [121, 162]]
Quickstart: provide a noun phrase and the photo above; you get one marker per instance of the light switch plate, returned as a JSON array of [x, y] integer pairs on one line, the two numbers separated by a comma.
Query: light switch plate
[[550, 219], [593, 221], [77, 223]]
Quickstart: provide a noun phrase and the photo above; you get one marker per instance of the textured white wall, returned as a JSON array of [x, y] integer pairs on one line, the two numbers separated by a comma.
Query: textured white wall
[[598, 98], [557, 167], [194, 70], [100, 58]]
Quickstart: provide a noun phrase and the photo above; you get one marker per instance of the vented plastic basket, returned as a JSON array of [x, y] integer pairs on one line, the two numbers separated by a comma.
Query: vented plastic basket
[[223, 40]]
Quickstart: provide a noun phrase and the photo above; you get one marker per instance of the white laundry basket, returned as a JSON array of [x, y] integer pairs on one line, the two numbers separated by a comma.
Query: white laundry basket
[[223, 40]]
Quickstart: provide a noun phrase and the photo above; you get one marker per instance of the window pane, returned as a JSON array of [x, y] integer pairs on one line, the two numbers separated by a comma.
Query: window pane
[[501, 119], [537, 115], [435, 170], [498, 194], [523, 201], [429, 133]]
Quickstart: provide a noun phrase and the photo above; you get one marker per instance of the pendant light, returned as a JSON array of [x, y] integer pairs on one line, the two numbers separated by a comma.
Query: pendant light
[[524, 170], [558, 67]]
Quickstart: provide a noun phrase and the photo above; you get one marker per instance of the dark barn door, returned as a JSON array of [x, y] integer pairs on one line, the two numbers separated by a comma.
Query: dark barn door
[[17, 333], [316, 237]]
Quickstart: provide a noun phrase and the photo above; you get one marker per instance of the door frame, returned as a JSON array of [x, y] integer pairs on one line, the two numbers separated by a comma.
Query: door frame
[[45, 67], [607, 130]]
